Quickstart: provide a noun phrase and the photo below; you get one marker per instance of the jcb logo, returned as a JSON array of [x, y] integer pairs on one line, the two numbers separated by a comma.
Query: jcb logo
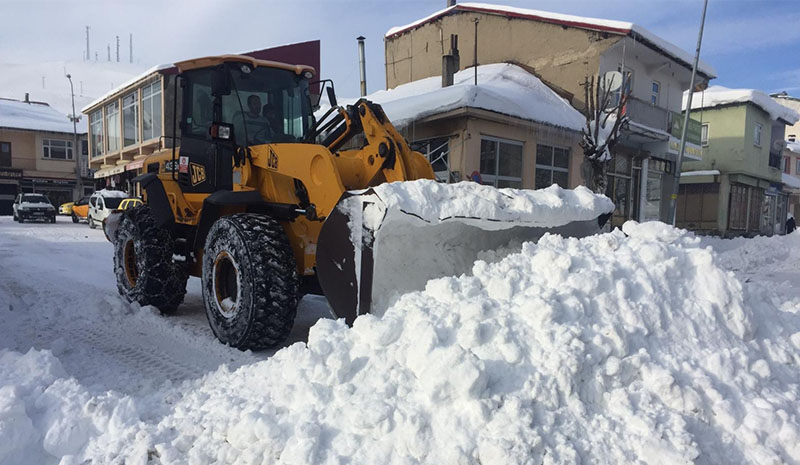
[[272, 161], [198, 173]]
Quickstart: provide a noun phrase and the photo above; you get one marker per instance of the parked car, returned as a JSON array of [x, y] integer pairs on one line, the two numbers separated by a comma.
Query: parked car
[[33, 207], [65, 208], [101, 204], [80, 209]]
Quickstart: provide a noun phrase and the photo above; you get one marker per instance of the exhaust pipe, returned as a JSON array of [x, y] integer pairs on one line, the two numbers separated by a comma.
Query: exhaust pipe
[[362, 65]]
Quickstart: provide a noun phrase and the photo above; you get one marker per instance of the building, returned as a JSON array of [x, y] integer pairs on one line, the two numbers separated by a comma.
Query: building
[[135, 119], [37, 153], [737, 187], [563, 50], [510, 130]]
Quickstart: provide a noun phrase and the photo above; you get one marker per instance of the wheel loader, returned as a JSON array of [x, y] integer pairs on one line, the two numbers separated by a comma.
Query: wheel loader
[[250, 199]]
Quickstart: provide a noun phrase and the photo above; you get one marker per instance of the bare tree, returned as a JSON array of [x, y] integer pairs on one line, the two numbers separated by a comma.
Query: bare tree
[[605, 116]]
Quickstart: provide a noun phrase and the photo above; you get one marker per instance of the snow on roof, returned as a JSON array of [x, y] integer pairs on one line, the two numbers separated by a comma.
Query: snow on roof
[[700, 173], [111, 194], [502, 88], [793, 146], [716, 96], [617, 27], [791, 181], [127, 83], [35, 116]]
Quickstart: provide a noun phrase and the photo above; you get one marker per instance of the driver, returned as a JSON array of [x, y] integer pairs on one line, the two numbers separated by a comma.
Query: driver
[[274, 121], [255, 122]]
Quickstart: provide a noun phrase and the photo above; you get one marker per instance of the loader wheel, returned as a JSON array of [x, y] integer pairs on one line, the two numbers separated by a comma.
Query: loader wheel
[[146, 272], [250, 283]]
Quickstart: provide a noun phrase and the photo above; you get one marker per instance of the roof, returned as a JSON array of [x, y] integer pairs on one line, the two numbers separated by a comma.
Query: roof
[[502, 88], [791, 181], [793, 146], [604, 25], [125, 85], [35, 116], [716, 96]]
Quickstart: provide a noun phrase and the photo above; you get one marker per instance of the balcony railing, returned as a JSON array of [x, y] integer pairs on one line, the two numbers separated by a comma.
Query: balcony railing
[[647, 114]]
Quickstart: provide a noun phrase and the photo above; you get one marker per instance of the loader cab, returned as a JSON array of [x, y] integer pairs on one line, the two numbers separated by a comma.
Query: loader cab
[[231, 105]]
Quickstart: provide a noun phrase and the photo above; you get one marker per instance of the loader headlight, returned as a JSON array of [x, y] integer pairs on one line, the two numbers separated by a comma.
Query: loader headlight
[[308, 75], [221, 131]]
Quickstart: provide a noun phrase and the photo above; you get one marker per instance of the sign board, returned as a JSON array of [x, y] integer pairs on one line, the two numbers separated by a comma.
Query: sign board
[[693, 133], [691, 150], [10, 173]]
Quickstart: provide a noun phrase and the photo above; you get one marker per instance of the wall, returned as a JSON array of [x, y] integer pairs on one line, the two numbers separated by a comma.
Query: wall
[[560, 55], [23, 148]]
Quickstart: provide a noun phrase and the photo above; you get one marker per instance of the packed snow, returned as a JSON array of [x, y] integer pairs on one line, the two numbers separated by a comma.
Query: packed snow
[[502, 88], [716, 96], [619, 27], [646, 345]]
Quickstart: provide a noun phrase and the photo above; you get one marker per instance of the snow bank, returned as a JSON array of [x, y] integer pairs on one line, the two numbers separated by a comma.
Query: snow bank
[[717, 95], [502, 88], [609, 349]]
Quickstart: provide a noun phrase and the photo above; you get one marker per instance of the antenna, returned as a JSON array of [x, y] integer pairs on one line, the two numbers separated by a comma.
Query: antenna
[[117, 49], [88, 53], [130, 51], [109, 52]]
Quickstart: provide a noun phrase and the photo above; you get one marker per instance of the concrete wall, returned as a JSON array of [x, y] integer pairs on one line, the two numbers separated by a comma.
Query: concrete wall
[[794, 104], [560, 55], [23, 148]]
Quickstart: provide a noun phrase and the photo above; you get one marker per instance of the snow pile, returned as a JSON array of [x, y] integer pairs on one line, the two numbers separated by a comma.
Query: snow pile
[[112, 194], [609, 349], [435, 202], [502, 88], [606, 25], [716, 96]]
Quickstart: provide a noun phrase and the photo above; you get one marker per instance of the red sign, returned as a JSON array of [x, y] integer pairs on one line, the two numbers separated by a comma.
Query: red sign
[[183, 166]]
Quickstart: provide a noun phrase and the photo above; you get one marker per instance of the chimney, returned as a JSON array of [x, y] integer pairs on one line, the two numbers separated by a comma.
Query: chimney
[[362, 65], [450, 62], [27, 97], [451, 3]]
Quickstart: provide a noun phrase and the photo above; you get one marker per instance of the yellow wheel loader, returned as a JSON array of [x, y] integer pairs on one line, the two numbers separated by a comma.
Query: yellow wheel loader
[[250, 201]]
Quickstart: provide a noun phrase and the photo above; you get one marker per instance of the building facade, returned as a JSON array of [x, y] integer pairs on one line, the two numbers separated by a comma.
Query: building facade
[[38, 153], [563, 51], [736, 189]]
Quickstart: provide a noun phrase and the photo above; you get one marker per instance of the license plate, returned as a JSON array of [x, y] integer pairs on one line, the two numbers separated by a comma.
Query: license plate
[[38, 213]]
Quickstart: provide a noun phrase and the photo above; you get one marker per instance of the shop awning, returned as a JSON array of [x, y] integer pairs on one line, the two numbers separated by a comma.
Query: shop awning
[[135, 165], [110, 171]]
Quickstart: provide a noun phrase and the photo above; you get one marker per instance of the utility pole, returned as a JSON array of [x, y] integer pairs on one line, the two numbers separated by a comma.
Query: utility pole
[[117, 49], [88, 53], [362, 65], [475, 52], [130, 47], [673, 201], [76, 151], [109, 52]]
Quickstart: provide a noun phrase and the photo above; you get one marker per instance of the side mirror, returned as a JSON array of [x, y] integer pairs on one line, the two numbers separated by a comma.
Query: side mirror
[[331, 95]]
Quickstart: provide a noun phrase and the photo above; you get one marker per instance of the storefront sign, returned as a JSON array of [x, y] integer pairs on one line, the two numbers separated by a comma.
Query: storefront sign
[[10, 173], [691, 150], [693, 132], [50, 181]]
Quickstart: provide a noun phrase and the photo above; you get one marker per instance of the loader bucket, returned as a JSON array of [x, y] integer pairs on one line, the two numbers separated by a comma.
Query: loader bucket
[[373, 249]]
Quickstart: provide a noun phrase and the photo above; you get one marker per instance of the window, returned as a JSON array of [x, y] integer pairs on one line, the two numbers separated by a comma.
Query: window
[[797, 167], [792, 138], [96, 128], [501, 163], [786, 164], [656, 90], [112, 126], [130, 119], [151, 111], [704, 135], [552, 166], [437, 152], [5, 154], [757, 134], [54, 149]]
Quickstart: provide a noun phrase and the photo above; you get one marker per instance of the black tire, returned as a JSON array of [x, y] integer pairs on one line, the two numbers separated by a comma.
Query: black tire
[[248, 258], [144, 265], [20, 219], [53, 219], [74, 218], [91, 222]]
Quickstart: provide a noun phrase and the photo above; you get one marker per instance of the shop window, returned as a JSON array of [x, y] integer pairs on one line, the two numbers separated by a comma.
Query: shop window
[[151, 111], [552, 166], [96, 129], [501, 162], [436, 150], [130, 119], [112, 126], [704, 135], [757, 134], [54, 149], [5, 154]]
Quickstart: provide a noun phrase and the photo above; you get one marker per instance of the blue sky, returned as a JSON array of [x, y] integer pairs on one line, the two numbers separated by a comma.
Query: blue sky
[[751, 43]]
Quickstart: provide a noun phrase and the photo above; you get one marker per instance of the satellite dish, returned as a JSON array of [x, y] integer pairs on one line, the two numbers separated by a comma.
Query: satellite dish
[[611, 81]]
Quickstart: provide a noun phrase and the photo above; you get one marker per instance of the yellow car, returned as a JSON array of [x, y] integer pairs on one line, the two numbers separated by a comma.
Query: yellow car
[[65, 208], [80, 210], [129, 203]]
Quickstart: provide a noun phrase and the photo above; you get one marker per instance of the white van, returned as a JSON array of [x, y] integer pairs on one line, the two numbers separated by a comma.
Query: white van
[[101, 204]]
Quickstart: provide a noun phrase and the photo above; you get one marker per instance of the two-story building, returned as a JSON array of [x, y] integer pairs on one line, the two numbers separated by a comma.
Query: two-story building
[[37, 153], [563, 50], [736, 188]]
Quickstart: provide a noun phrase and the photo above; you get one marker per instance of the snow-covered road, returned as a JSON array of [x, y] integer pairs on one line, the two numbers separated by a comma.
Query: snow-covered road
[[62, 296]]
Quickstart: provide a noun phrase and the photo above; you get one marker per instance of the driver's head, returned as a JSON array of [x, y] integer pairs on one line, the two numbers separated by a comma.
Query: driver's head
[[254, 104], [269, 112]]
